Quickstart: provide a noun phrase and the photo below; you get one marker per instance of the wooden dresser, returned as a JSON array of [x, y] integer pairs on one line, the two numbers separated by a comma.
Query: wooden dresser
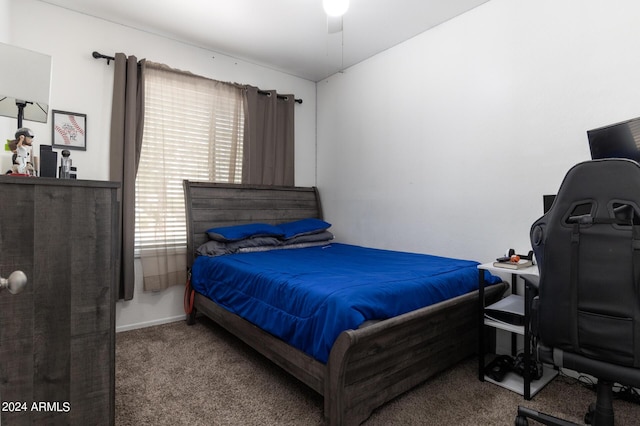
[[57, 337]]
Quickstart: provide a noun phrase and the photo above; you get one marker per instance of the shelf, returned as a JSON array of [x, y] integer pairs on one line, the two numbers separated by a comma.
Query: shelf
[[518, 329], [530, 270], [504, 309], [515, 382], [506, 314]]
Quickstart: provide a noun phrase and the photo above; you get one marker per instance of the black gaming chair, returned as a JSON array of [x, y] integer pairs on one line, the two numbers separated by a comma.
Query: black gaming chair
[[586, 316]]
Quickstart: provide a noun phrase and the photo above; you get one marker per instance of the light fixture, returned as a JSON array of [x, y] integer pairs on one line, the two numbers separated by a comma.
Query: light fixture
[[335, 7]]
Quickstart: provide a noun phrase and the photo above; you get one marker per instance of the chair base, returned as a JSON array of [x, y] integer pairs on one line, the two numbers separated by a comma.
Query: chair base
[[600, 413]]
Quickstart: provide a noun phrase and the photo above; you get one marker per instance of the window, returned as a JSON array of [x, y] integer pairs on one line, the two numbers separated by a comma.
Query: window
[[193, 129]]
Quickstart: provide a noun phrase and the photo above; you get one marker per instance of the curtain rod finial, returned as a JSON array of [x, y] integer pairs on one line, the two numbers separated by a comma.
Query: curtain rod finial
[[98, 55]]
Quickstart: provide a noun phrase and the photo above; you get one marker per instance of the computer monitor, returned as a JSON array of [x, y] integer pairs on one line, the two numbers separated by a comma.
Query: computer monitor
[[620, 140]]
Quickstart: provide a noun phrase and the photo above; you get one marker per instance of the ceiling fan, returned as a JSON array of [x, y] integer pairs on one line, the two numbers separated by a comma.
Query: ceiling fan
[[335, 9]]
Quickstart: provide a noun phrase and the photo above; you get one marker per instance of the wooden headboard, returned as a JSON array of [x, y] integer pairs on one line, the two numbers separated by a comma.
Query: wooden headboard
[[209, 205]]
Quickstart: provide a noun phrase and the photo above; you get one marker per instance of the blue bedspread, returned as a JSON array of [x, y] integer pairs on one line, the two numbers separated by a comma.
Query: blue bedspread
[[308, 296]]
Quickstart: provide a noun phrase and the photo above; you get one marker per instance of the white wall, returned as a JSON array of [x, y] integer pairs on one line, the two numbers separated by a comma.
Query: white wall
[[83, 84], [446, 143], [4, 21]]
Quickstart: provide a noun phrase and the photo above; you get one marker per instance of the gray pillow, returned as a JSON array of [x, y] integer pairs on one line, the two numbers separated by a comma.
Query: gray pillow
[[218, 248]]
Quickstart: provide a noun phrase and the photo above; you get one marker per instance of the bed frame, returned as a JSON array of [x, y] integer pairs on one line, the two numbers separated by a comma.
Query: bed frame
[[367, 367]]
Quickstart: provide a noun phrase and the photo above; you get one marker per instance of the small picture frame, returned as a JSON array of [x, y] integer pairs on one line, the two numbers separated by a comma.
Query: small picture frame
[[68, 130]]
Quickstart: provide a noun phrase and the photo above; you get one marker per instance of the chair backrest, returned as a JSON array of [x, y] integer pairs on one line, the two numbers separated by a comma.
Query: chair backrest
[[588, 251]]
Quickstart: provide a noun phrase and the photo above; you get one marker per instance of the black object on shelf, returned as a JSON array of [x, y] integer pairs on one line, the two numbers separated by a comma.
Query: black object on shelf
[[499, 367], [535, 367], [48, 161]]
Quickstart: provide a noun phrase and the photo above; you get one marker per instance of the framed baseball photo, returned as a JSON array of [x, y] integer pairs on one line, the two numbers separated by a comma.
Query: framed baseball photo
[[68, 130]]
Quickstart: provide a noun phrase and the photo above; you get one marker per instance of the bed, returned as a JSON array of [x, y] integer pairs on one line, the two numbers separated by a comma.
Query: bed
[[364, 366]]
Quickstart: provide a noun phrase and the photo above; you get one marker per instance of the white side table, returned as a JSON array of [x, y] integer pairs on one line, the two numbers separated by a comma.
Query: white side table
[[522, 385]]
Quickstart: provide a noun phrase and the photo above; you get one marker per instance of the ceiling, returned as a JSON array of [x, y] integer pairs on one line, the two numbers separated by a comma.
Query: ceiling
[[286, 35]]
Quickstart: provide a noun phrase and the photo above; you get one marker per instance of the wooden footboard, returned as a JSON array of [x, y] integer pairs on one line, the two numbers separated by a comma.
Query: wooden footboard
[[370, 366]]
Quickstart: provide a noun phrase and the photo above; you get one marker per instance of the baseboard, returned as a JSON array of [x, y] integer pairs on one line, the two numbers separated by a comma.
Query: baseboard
[[145, 324]]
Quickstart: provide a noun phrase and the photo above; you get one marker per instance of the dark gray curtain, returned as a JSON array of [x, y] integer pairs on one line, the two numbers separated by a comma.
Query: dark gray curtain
[[127, 120], [268, 138]]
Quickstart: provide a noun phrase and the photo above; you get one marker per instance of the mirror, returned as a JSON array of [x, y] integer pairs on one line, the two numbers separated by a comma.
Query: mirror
[[25, 80]]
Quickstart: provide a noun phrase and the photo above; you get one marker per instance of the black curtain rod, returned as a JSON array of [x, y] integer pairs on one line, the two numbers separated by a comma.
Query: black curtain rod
[[98, 55], [284, 98]]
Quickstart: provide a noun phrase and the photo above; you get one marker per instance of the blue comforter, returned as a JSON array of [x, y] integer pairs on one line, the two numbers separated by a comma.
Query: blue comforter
[[308, 296]]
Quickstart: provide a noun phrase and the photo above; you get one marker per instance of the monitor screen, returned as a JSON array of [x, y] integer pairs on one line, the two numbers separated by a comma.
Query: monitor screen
[[620, 140]]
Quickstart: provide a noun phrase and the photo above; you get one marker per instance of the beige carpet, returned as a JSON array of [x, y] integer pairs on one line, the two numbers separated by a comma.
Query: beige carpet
[[176, 374]]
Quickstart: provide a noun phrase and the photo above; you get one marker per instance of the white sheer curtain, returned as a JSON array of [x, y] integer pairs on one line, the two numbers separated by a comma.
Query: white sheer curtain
[[193, 129]]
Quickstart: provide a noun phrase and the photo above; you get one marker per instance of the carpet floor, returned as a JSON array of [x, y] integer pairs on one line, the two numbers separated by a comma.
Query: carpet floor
[[175, 374]]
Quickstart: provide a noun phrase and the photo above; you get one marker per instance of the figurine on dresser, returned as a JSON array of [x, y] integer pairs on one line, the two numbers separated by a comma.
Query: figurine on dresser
[[21, 147]]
